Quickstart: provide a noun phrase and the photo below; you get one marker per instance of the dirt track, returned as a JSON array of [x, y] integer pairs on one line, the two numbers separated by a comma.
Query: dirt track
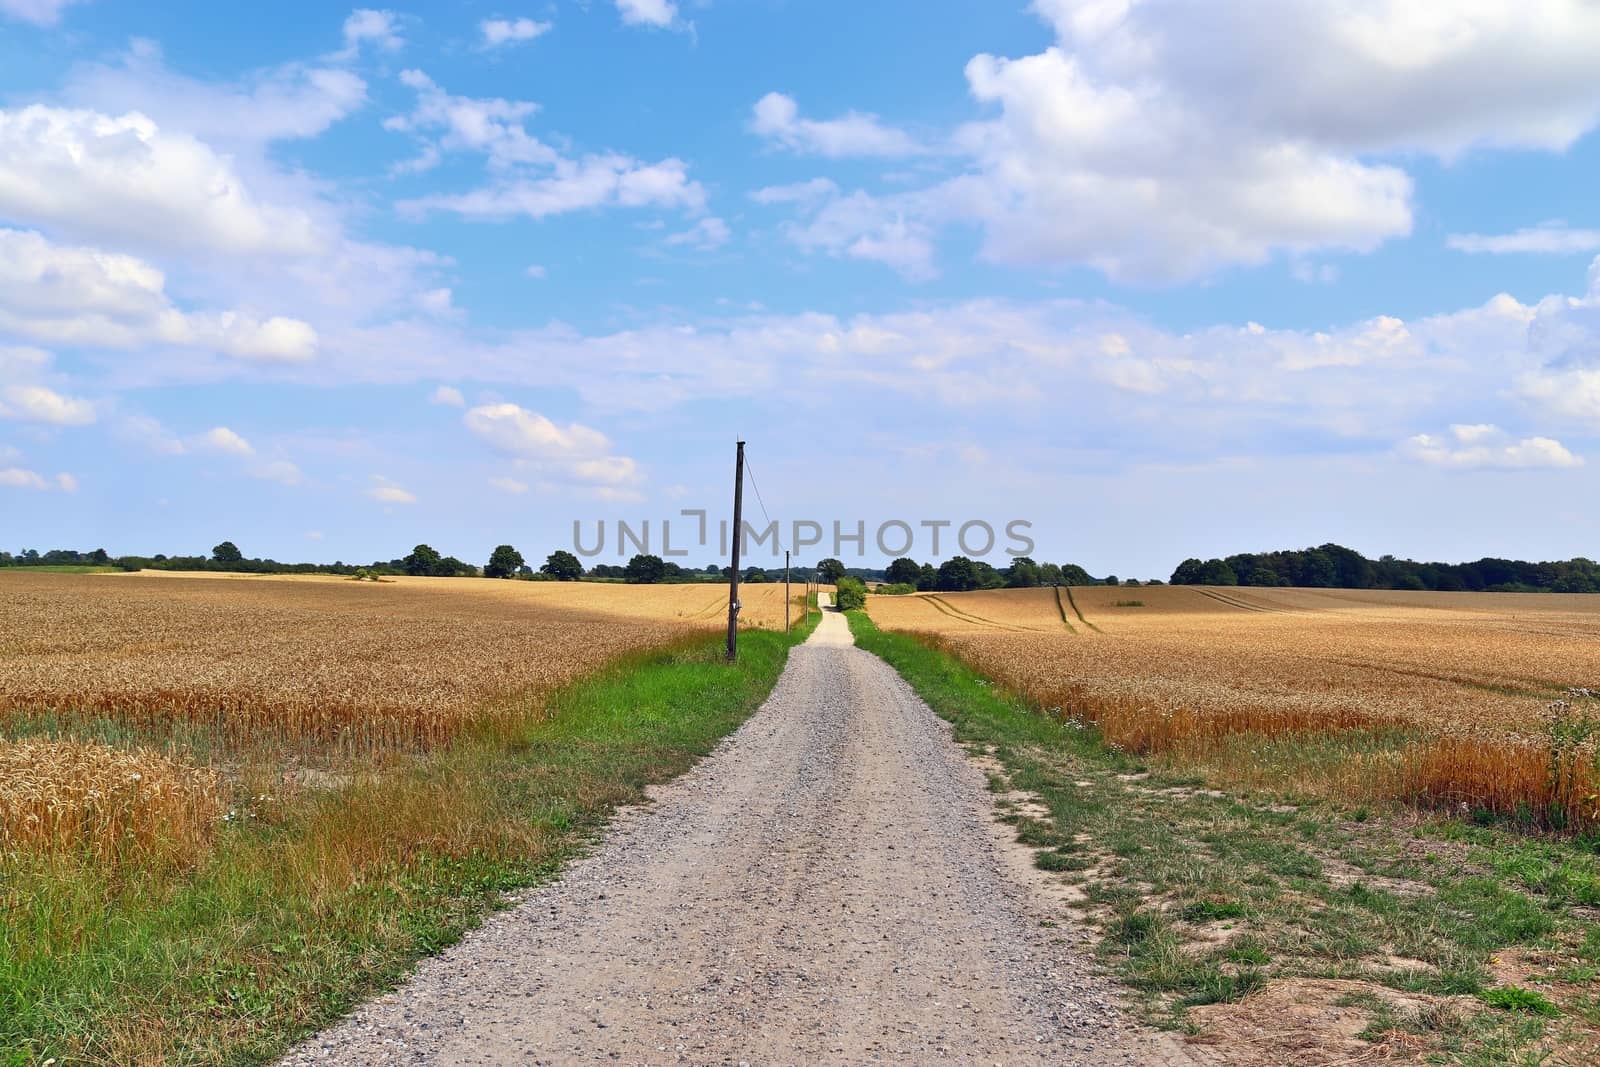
[[823, 889]]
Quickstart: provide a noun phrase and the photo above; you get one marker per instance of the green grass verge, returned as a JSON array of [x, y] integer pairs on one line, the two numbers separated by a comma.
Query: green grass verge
[[1202, 895], [303, 909]]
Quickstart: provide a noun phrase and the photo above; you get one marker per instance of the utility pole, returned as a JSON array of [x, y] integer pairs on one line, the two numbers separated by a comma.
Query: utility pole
[[733, 578], [787, 599]]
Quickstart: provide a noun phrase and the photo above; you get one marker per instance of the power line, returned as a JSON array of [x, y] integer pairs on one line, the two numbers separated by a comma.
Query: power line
[[751, 474]]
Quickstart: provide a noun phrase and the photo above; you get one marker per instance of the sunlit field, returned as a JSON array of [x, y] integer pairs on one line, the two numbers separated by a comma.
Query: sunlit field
[[1482, 700], [134, 707]]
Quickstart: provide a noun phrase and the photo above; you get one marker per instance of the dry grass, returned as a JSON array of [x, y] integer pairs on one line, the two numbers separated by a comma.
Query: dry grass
[[1439, 698], [74, 795]]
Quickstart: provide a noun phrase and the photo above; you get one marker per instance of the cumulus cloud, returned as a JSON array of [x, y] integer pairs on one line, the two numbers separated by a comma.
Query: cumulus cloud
[[1158, 140], [279, 470], [122, 178], [35, 403], [388, 493], [657, 13], [1486, 447], [222, 439], [509, 485], [776, 117], [530, 178], [572, 453], [1549, 239], [289, 101], [21, 478], [83, 296], [38, 12], [893, 231], [707, 235], [448, 396], [368, 27], [498, 32]]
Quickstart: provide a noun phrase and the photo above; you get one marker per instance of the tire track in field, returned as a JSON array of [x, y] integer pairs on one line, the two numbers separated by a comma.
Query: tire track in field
[[1062, 608], [1240, 604], [966, 616], [1079, 611]]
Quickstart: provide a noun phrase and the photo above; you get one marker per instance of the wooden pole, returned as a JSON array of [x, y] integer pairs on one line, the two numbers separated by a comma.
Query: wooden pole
[[733, 578], [787, 598]]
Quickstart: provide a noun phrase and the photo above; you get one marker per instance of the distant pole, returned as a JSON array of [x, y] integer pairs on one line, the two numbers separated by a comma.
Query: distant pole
[[787, 598], [733, 578]]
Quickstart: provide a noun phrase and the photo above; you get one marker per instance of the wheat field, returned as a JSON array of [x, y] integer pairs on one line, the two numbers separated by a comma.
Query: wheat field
[[132, 706], [1477, 699]]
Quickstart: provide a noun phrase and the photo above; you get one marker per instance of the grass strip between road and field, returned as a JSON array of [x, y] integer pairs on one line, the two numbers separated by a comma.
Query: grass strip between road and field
[[1472, 943], [305, 908]]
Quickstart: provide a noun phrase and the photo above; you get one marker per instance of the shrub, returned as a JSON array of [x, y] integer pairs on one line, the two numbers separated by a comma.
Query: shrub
[[850, 594]]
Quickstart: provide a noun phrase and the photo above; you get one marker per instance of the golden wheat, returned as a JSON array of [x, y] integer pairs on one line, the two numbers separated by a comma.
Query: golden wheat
[[62, 794], [1187, 671], [335, 663]]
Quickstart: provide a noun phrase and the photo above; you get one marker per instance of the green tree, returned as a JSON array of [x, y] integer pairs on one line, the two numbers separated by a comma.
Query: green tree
[[503, 562], [829, 571], [1023, 573], [754, 576], [563, 566], [1049, 574], [1188, 572], [99, 557], [927, 579], [1111, 579], [851, 594], [902, 571], [227, 552], [644, 570], [1072, 574], [424, 560], [957, 574]]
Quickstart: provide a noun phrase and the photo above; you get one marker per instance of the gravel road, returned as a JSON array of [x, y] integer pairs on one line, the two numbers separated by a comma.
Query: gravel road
[[825, 888]]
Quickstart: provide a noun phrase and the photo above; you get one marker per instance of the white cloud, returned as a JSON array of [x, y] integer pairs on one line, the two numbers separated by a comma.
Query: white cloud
[[497, 32], [1160, 140], [222, 439], [488, 125], [125, 179], [1484, 447], [35, 403], [148, 433], [381, 29], [888, 230], [517, 431], [21, 478], [509, 485], [777, 118], [82, 296], [289, 101], [576, 185], [707, 235], [449, 396], [436, 301], [537, 271], [18, 478], [1547, 239], [571, 453], [280, 470], [529, 177], [38, 12], [659, 13], [391, 494]]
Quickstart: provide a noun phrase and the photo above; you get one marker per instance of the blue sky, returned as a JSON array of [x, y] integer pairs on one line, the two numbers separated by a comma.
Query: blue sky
[[1163, 280]]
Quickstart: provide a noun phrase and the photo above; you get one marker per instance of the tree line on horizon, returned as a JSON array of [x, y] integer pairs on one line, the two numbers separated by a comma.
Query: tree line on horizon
[[1329, 566], [1334, 566]]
